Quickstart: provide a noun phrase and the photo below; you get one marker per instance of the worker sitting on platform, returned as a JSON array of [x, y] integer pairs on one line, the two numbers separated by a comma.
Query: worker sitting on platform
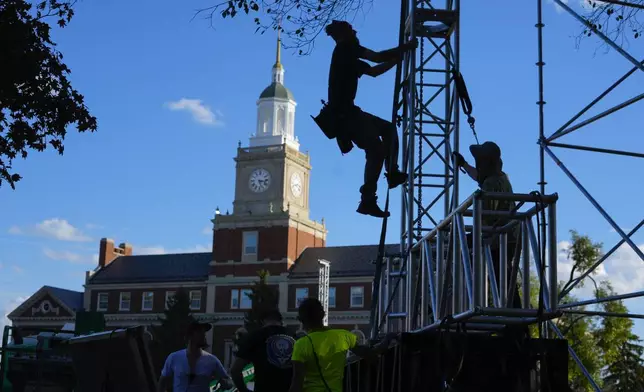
[[319, 358], [377, 137], [489, 175]]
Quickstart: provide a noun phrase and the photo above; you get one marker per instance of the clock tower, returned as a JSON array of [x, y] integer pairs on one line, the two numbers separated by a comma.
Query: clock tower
[[270, 219]]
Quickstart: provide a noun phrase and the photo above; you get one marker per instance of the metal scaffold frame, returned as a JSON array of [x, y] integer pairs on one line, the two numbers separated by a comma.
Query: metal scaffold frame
[[444, 277]]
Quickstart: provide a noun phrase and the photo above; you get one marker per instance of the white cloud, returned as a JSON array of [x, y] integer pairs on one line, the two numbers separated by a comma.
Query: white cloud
[[624, 269], [9, 307], [92, 226], [207, 230], [70, 257], [17, 269], [55, 228], [200, 112], [557, 6], [161, 250]]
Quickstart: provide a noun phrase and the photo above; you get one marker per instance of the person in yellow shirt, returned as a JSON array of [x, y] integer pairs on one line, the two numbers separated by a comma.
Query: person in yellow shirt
[[319, 357]]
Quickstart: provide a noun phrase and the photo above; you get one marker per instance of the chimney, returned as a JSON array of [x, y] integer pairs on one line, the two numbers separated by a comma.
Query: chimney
[[108, 252], [126, 248]]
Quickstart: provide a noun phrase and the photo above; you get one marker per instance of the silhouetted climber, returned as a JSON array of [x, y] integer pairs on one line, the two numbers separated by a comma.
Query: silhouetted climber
[[488, 173], [342, 119]]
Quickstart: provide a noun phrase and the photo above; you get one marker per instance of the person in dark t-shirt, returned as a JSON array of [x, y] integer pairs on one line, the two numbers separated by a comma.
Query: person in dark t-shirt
[[377, 137], [269, 349]]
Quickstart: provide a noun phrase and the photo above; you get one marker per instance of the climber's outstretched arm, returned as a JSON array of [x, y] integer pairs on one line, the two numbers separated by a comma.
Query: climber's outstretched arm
[[379, 69], [392, 54]]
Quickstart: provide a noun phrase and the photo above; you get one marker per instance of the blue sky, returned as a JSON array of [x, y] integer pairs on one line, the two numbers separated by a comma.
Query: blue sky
[[153, 174]]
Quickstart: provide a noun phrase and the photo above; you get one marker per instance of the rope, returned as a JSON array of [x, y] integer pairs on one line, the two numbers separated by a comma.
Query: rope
[[466, 102]]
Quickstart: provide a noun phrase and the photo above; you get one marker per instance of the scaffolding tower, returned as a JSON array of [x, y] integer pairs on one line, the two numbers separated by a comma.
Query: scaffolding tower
[[443, 275]]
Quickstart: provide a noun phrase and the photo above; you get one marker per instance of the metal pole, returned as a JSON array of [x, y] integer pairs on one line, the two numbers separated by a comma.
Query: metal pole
[[598, 262], [556, 135], [602, 300], [426, 281], [601, 115], [457, 266], [575, 357], [503, 268], [601, 35], [595, 203], [541, 102], [479, 275], [466, 266], [525, 282], [552, 256], [606, 314], [440, 274], [601, 150]]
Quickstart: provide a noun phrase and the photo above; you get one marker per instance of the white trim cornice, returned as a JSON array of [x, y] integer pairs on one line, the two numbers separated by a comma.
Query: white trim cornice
[[143, 285], [236, 280]]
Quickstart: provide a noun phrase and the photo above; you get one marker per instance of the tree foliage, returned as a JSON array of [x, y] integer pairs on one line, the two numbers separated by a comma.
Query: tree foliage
[[626, 372], [605, 345], [169, 336], [617, 20], [300, 20], [263, 297], [37, 100]]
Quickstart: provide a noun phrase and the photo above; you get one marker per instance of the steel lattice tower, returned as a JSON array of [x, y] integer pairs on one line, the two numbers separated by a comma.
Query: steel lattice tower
[[428, 101]]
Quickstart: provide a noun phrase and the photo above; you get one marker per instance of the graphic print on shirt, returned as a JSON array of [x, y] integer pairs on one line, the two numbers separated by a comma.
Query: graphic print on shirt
[[279, 349]]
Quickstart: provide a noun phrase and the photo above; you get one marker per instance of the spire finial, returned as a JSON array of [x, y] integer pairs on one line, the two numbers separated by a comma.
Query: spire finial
[[279, 45]]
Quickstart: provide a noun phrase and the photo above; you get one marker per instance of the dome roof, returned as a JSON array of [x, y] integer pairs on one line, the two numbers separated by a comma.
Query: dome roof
[[277, 90]]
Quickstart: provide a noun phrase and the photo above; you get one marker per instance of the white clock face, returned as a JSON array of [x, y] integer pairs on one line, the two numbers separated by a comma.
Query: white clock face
[[296, 184], [259, 181]]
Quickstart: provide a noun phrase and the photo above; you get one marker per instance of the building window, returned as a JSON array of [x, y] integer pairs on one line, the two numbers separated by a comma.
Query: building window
[[332, 297], [301, 294], [101, 303], [250, 243], [195, 300], [234, 299], [168, 296], [147, 300], [357, 296], [124, 302], [245, 302], [239, 299]]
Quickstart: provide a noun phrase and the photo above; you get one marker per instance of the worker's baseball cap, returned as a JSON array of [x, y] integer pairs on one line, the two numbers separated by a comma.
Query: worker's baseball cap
[[197, 326], [487, 150]]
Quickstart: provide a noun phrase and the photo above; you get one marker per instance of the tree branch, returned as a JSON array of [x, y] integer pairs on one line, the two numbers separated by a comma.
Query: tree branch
[[301, 21]]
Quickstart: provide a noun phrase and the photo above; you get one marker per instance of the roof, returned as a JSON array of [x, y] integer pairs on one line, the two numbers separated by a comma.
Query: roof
[[345, 260], [72, 299], [69, 299], [155, 268], [277, 90]]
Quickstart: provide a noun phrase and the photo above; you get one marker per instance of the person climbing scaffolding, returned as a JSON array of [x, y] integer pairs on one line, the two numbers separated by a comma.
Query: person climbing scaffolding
[[343, 120]]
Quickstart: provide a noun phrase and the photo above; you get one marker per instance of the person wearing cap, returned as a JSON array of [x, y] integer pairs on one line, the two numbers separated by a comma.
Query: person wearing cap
[[192, 369], [488, 173], [319, 357], [269, 349], [377, 137]]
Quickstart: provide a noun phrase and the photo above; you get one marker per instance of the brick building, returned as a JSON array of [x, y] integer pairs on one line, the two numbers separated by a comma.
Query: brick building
[[268, 229]]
